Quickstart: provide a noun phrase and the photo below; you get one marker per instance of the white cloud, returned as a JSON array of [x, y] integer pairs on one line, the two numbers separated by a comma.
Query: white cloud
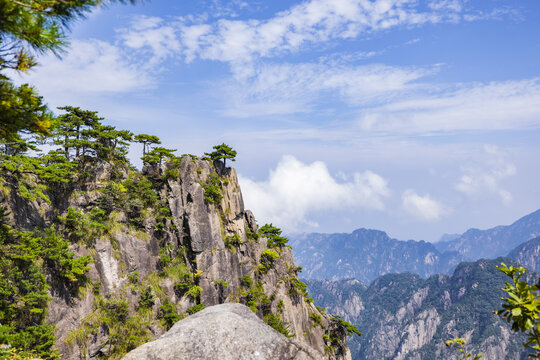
[[89, 67], [452, 5], [268, 89], [151, 34], [485, 174], [491, 106], [308, 23], [422, 207], [295, 190]]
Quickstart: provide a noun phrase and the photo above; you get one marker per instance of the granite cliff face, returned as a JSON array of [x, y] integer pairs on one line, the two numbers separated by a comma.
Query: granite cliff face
[[193, 245], [403, 316]]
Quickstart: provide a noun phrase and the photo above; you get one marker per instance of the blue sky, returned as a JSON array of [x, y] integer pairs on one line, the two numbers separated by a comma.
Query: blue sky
[[417, 117]]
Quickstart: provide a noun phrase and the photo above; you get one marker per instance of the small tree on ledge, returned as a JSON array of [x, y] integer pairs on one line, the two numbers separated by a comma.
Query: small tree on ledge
[[147, 141], [222, 152]]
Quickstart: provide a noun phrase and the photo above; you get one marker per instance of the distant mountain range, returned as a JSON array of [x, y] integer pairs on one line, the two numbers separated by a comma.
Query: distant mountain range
[[403, 316], [498, 241], [367, 254]]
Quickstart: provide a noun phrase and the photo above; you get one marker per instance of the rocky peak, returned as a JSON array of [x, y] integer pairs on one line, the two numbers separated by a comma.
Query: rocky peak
[[165, 243]]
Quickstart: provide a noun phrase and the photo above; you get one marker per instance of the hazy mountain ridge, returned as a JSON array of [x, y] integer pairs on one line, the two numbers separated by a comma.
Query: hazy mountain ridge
[[403, 316], [366, 254], [528, 254]]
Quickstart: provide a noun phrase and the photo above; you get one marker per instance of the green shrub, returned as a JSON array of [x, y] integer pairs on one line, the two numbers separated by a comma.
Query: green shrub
[[115, 310], [25, 258], [316, 318], [221, 283], [350, 328], [280, 306], [194, 291], [195, 309], [251, 236], [246, 281], [232, 241], [133, 278], [147, 298], [212, 189], [275, 321], [273, 234], [167, 314], [297, 287], [267, 260]]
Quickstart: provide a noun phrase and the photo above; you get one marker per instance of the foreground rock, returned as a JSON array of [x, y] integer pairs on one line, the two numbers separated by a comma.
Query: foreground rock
[[227, 331]]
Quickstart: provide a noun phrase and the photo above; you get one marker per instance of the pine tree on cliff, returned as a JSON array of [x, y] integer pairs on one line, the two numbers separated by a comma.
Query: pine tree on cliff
[[222, 153], [147, 141]]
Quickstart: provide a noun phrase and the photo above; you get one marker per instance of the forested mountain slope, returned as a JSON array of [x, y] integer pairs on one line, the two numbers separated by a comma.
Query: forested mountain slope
[[403, 316]]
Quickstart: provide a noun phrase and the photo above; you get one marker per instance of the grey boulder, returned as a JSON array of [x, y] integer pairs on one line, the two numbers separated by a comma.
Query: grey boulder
[[226, 331]]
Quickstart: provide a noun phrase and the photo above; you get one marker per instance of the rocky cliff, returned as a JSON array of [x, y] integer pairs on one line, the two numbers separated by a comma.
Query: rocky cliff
[[403, 316], [164, 244]]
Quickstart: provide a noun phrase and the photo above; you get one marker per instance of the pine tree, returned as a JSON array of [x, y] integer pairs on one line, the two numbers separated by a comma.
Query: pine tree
[[147, 140], [28, 28], [222, 153]]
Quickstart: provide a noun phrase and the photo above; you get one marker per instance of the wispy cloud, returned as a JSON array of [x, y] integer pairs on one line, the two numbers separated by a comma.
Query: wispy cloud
[[422, 207], [477, 106], [295, 190], [289, 88], [306, 24], [485, 174], [90, 67], [152, 36]]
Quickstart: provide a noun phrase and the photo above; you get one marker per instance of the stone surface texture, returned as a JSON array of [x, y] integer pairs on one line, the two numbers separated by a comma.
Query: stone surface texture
[[223, 332]]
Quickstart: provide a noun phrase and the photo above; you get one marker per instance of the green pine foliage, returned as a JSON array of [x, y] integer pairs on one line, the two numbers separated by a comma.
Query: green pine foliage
[[195, 309], [268, 257], [275, 321], [147, 298], [25, 259], [157, 155], [167, 314], [273, 236], [212, 189], [222, 153]]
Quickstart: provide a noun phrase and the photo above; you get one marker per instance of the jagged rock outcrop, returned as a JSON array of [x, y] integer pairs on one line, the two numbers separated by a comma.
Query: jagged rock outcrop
[[178, 233], [407, 317], [223, 332]]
